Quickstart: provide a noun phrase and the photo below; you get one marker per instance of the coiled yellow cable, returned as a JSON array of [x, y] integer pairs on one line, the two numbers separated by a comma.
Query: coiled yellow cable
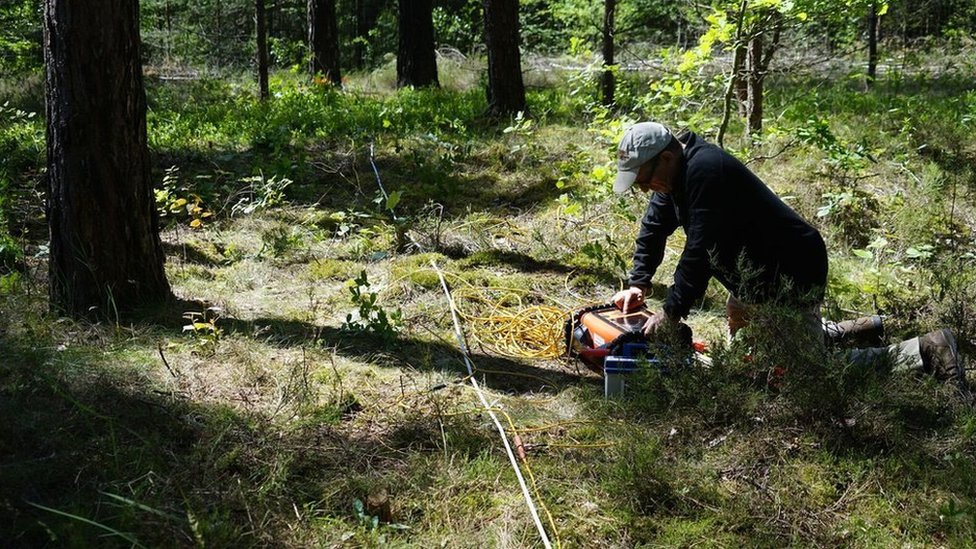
[[502, 324]]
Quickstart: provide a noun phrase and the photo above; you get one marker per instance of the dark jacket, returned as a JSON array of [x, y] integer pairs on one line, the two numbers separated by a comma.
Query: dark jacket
[[737, 230]]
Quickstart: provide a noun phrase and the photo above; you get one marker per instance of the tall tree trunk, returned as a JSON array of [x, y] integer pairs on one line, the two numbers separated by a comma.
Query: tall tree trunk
[[169, 35], [218, 32], [506, 91], [735, 78], [416, 60], [362, 31], [367, 11], [607, 83], [758, 59], [872, 44], [754, 79], [323, 40], [105, 252], [270, 17], [740, 77], [259, 20]]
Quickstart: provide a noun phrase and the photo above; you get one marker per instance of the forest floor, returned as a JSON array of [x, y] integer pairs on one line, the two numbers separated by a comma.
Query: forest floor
[[278, 402]]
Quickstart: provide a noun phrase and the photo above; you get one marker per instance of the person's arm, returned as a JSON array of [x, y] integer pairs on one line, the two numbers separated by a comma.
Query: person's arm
[[708, 209], [658, 223]]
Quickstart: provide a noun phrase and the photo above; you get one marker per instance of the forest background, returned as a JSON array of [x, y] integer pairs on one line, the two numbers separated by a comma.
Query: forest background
[[304, 387]]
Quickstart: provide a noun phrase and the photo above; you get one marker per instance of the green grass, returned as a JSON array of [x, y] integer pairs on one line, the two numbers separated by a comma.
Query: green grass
[[269, 429]]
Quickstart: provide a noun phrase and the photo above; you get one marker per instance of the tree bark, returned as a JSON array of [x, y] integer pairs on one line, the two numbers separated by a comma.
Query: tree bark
[[740, 77], [262, 37], [506, 90], [607, 82], [105, 252], [218, 42], [416, 59], [735, 78], [367, 11], [323, 40], [872, 44], [758, 59], [754, 102]]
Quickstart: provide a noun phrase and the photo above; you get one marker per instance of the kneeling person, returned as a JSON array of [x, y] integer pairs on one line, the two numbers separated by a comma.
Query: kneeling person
[[739, 232]]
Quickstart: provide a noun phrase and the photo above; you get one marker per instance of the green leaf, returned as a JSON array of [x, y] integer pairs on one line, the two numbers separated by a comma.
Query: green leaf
[[864, 254], [393, 200], [878, 243]]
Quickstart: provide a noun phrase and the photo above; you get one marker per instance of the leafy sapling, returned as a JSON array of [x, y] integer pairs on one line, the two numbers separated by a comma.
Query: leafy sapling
[[372, 318]]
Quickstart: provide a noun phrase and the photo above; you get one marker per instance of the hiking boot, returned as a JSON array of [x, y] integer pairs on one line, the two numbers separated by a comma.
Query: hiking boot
[[940, 357]]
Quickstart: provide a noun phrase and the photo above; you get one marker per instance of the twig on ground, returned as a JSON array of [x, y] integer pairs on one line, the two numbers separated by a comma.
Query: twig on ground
[[165, 362]]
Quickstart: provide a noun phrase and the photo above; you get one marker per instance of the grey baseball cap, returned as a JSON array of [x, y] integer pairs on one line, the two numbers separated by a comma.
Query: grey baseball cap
[[641, 142]]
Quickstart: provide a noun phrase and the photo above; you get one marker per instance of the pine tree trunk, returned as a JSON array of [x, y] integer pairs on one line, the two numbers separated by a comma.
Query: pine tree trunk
[[506, 91], [416, 60], [262, 38], [872, 44], [607, 82], [323, 40], [105, 252]]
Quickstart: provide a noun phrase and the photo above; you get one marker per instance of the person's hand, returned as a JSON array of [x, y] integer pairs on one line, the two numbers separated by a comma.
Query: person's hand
[[658, 321], [628, 299]]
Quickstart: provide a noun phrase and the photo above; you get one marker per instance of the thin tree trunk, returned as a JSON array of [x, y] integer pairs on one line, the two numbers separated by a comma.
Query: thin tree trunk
[[323, 40], [765, 50], [169, 34], [362, 30], [367, 11], [735, 76], [872, 44], [754, 101], [608, 84], [416, 59], [105, 252], [506, 90], [741, 78], [270, 13], [218, 28], [262, 36]]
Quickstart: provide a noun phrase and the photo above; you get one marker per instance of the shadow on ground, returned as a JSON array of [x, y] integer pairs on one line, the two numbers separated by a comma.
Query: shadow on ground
[[91, 458], [498, 373]]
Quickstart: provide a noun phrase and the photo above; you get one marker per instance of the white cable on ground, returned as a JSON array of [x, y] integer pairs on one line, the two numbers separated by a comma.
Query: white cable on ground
[[380, 181], [471, 376], [488, 408]]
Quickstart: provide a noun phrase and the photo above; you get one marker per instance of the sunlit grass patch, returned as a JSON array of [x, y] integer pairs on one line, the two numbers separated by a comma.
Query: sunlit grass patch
[[332, 269]]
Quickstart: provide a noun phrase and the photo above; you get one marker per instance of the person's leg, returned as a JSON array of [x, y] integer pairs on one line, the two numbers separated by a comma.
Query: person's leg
[[934, 353], [740, 314], [813, 325], [900, 357]]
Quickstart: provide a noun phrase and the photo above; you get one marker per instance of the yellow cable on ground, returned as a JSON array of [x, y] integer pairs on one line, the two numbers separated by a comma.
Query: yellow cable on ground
[[503, 325], [535, 485]]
